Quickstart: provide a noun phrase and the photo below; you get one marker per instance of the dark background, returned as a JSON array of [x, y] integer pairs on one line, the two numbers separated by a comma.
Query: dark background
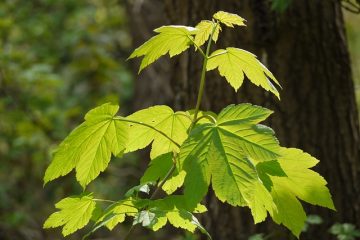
[[60, 58]]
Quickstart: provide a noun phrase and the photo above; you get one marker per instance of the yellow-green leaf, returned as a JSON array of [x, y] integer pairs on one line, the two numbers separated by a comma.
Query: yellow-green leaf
[[300, 183], [221, 151], [173, 124], [74, 213], [170, 39], [204, 29], [229, 19], [232, 63], [174, 182], [88, 148]]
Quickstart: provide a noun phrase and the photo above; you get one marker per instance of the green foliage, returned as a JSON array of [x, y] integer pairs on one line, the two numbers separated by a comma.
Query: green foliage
[[241, 159], [342, 231], [345, 231]]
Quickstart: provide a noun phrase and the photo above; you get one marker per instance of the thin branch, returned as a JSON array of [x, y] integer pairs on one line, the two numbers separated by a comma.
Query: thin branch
[[218, 54], [197, 47], [211, 118], [104, 200], [203, 77]]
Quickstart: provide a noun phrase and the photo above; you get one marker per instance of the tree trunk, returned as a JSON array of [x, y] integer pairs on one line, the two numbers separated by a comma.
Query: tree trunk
[[306, 49]]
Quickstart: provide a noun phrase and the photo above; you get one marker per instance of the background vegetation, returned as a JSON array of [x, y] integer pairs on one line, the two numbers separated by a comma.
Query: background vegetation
[[59, 58]]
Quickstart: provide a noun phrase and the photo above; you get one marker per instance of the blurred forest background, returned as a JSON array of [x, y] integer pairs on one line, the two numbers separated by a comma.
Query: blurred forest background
[[58, 59]]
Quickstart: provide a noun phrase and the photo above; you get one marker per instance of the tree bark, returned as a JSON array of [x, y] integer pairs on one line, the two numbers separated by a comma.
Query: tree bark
[[306, 49]]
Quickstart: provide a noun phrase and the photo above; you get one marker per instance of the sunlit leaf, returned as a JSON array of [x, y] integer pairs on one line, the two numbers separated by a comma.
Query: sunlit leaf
[[203, 33], [170, 39], [233, 63], [173, 124], [300, 183], [88, 148], [74, 213], [229, 19]]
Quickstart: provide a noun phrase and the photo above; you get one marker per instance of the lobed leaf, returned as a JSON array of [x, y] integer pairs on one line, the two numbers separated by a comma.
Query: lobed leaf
[[116, 213], [301, 183], [232, 63], [203, 33], [221, 151], [164, 119], [88, 148], [247, 167], [74, 213], [173, 209], [229, 19], [170, 39]]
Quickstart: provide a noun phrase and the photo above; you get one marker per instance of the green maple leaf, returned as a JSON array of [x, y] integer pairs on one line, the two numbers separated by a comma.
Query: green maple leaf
[[88, 148], [118, 212], [74, 214], [229, 19], [301, 183], [173, 209], [170, 39], [232, 63], [226, 152], [114, 214], [204, 29], [161, 118]]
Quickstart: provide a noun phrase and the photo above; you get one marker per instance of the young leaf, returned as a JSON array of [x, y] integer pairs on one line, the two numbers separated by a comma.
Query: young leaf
[[170, 39], [174, 182], [116, 214], [74, 214], [222, 150], [173, 209], [143, 187], [163, 119], [204, 29], [88, 148], [229, 19], [232, 63], [301, 183]]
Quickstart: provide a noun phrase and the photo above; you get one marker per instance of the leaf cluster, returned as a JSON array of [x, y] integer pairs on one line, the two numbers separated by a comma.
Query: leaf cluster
[[231, 152]]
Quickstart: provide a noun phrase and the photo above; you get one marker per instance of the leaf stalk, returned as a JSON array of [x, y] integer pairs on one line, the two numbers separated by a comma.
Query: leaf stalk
[[203, 76]]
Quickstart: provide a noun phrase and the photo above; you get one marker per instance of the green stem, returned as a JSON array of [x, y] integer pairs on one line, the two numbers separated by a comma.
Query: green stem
[[103, 200], [197, 47], [211, 118], [203, 77], [218, 54]]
